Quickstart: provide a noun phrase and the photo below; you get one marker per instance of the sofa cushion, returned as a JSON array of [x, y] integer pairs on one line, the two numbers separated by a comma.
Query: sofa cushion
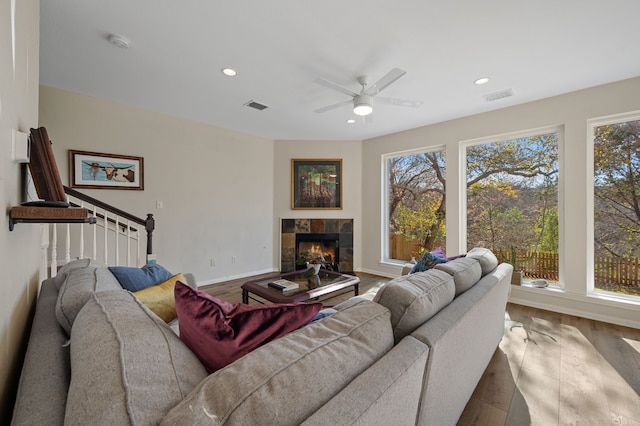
[[127, 366], [219, 332], [465, 272], [413, 299], [160, 298], [77, 288], [488, 260], [68, 267], [134, 279], [285, 381]]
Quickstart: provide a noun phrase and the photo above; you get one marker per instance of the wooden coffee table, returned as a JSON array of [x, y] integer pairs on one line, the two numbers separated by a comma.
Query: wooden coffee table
[[330, 282]]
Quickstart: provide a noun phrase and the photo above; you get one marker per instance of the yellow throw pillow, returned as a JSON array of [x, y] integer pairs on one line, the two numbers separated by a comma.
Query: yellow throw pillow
[[160, 299]]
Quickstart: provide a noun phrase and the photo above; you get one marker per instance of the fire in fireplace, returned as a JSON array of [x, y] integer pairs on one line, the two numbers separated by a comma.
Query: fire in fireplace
[[325, 247]]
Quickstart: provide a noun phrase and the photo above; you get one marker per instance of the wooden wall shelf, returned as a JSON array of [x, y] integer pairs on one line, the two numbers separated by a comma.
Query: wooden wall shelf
[[32, 214]]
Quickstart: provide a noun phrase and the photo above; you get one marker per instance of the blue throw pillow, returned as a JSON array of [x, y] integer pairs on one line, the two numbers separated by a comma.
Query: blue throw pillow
[[426, 262], [135, 279]]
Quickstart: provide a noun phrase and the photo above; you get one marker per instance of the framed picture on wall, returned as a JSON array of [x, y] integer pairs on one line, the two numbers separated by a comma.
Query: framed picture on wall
[[316, 184], [105, 171]]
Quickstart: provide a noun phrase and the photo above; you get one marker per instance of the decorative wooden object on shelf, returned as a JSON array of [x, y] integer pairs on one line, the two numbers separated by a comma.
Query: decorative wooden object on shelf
[[31, 214]]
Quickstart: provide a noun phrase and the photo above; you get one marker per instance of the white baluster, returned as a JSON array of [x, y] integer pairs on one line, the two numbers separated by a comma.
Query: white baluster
[[94, 252], [44, 249], [106, 236], [67, 245], [54, 250], [116, 236], [128, 243], [81, 242], [138, 235]]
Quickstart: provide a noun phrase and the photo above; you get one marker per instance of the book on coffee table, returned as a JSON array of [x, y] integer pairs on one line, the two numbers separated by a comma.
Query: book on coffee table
[[284, 285]]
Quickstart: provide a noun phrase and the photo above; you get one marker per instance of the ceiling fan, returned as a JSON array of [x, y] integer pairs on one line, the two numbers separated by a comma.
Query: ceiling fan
[[363, 101]]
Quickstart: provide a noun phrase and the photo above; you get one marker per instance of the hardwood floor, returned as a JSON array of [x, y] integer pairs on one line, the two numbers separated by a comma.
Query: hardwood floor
[[549, 369]]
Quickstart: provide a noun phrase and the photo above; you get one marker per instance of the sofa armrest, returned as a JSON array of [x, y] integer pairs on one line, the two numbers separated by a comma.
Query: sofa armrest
[[386, 393], [44, 382], [406, 268]]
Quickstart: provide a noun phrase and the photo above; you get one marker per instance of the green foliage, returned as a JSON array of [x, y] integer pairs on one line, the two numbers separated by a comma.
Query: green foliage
[[511, 194]]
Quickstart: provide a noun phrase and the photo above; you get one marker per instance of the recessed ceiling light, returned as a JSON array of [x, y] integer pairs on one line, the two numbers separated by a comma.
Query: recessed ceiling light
[[229, 72], [351, 120], [118, 41], [483, 80]]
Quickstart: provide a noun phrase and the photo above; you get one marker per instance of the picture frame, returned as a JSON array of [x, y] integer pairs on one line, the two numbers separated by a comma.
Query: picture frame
[[44, 170], [316, 184], [96, 170]]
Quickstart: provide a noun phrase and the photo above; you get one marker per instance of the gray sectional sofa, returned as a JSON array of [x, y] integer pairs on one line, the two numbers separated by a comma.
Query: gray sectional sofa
[[411, 355]]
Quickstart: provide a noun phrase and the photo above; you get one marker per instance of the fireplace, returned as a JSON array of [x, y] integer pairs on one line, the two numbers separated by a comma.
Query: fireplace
[[325, 247], [331, 237]]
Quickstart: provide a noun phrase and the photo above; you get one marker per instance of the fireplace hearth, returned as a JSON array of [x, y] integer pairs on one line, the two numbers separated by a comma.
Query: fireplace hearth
[[329, 238]]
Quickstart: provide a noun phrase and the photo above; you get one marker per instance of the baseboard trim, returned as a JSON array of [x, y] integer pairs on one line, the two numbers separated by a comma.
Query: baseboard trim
[[556, 300]]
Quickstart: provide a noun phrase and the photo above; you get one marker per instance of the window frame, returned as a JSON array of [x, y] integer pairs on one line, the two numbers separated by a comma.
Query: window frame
[[384, 226], [462, 152], [590, 289]]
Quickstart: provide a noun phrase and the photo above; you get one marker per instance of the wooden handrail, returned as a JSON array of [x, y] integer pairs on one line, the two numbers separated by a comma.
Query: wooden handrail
[[103, 205], [101, 216], [149, 223]]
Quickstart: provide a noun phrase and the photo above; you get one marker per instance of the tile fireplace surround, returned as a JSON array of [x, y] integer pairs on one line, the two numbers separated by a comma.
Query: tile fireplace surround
[[291, 227]]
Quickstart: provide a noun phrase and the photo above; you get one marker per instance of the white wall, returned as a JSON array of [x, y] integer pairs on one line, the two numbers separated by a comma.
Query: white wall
[[570, 111], [216, 185], [351, 154], [19, 250]]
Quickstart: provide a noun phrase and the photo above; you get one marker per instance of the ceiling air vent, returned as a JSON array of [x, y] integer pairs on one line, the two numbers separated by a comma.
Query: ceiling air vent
[[256, 105], [498, 95]]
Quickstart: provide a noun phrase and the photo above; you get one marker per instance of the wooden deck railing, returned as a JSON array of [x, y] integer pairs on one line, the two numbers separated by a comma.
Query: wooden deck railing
[[608, 270], [117, 238]]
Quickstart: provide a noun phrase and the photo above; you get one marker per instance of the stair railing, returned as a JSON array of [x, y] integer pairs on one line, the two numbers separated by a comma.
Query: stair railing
[[115, 239]]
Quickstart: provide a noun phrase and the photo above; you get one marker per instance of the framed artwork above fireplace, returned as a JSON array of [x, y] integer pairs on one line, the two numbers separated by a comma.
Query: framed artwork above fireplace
[[316, 184]]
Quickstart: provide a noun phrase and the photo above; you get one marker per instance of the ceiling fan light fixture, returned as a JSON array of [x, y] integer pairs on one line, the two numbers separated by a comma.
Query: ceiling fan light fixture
[[229, 72], [362, 105]]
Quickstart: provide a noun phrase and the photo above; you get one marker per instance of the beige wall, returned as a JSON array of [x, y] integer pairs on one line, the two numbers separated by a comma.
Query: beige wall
[[216, 185], [19, 250], [223, 192], [351, 154], [571, 112]]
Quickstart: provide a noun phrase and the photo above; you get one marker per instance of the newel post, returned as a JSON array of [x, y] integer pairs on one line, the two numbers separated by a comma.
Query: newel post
[[150, 225]]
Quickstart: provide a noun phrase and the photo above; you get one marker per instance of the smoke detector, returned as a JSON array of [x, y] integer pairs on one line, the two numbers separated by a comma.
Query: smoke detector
[[118, 41]]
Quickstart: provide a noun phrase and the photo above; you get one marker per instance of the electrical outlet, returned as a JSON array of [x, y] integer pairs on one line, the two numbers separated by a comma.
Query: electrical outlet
[[159, 204], [212, 262]]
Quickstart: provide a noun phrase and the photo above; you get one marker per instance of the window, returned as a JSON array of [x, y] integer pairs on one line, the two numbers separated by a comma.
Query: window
[[512, 201], [616, 206], [415, 190]]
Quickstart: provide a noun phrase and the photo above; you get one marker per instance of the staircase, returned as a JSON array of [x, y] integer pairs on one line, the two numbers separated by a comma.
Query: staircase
[[117, 238]]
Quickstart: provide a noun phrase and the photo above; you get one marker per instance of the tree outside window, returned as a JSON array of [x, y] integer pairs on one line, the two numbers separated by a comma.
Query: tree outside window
[[416, 202], [512, 201], [616, 189]]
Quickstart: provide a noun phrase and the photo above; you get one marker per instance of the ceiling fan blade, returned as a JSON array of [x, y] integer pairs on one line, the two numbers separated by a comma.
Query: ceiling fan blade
[[334, 86], [334, 106], [384, 82], [399, 102]]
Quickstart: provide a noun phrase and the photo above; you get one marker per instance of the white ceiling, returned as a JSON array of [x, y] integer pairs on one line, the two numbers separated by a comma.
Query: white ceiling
[[536, 48]]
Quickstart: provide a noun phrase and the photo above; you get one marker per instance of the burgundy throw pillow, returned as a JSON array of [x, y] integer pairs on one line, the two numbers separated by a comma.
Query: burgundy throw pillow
[[219, 332]]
